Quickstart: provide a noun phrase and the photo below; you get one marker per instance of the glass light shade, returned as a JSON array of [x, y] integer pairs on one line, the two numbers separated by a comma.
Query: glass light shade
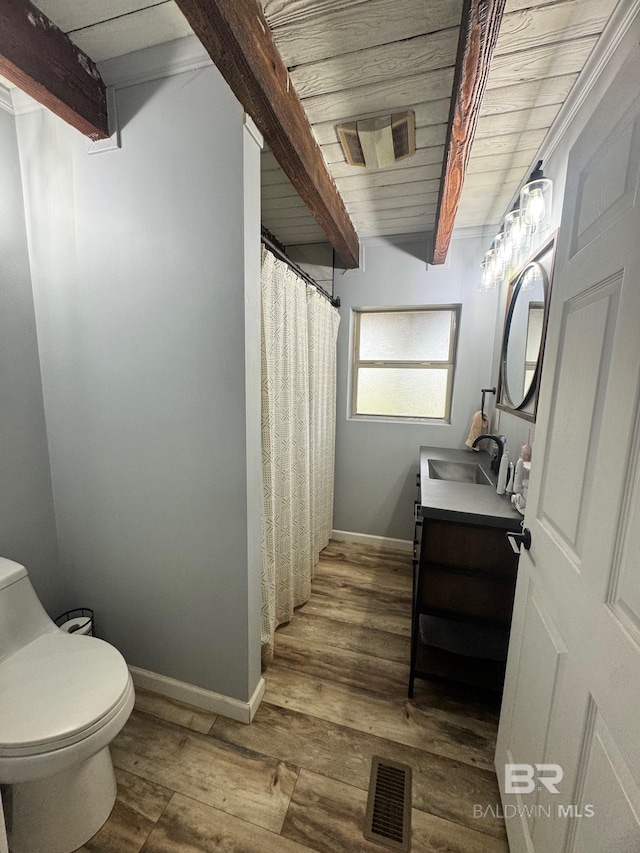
[[507, 251], [503, 248], [531, 278], [488, 281], [501, 262], [535, 204], [516, 235]]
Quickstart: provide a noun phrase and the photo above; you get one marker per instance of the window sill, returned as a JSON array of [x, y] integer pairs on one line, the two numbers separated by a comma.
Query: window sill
[[386, 419]]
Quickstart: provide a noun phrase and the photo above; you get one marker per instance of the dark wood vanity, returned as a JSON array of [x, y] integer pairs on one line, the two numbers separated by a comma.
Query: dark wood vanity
[[464, 575]]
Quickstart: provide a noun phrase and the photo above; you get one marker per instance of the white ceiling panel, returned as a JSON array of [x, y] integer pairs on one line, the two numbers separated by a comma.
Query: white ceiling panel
[[117, 36], [71, 15]]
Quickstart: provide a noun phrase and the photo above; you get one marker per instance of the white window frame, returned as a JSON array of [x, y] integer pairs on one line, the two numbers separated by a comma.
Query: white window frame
[[449, 363]]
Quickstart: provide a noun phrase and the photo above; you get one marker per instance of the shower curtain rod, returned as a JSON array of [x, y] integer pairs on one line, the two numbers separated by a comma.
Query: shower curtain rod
[[268, 240]]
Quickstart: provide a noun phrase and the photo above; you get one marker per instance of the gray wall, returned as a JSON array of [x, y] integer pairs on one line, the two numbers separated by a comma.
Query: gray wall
[[142, 297], [376, 462], [27, 522], [316, 259]]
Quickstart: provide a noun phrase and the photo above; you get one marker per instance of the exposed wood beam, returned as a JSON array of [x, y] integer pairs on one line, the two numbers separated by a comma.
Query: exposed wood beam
[[42, 61], [236, 35], [478, 35]]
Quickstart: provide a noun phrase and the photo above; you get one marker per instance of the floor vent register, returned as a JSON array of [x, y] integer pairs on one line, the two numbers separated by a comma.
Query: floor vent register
[[388, 820]]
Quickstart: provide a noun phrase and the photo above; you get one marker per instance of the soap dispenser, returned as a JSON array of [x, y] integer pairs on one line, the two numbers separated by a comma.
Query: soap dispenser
[[503, 473]]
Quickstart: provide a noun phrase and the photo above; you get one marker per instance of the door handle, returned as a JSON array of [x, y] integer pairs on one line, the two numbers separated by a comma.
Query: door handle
[[518, 539]]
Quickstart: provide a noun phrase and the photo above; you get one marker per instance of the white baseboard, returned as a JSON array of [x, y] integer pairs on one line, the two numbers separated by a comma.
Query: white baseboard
[[376, 541], [218, 703]]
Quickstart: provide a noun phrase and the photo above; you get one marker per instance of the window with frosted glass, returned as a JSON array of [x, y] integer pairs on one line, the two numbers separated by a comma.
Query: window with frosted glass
[[403, 363]]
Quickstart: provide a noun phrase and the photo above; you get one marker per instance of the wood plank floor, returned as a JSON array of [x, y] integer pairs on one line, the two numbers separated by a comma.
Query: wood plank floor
[[296, 779]]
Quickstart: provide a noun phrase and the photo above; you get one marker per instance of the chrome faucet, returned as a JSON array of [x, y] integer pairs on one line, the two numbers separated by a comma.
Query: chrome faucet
[[495, 462]]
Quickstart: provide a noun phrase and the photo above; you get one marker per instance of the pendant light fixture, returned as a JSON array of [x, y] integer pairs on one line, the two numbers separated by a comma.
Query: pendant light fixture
[[535, 201], [487, 282], [493, 265], [503, 253], [521, 229], [516, 235]]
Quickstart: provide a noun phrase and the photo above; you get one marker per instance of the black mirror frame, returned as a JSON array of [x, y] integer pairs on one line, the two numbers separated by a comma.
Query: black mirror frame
[[517, 283], [502, 399]]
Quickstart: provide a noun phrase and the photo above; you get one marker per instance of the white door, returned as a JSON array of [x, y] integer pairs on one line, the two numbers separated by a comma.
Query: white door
[[572, 691]]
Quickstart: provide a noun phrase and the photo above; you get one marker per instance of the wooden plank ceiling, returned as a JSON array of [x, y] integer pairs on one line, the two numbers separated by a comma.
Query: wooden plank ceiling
[[356, 58], [350, 59]]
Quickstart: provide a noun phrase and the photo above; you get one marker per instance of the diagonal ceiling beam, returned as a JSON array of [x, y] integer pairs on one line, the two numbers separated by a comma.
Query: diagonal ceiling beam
[[478, 35], [236, 35], [42, 61]]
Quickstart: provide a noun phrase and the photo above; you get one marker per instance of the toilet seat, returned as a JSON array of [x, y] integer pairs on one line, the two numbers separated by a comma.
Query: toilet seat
[[57, 691]]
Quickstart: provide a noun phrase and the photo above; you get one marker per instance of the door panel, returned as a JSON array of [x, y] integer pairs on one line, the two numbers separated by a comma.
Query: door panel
[[624, 589], [576, 416], [608, 787], [607, 184], [541, 658]]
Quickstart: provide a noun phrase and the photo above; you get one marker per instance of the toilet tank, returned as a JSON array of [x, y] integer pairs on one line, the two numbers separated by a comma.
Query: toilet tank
[[22, 617]]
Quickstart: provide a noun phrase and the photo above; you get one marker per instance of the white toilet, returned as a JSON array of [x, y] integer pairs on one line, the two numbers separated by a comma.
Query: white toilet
[[63, 698]]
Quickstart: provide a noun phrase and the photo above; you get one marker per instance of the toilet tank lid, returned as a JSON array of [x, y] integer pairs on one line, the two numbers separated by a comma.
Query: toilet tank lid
[[10, 572]]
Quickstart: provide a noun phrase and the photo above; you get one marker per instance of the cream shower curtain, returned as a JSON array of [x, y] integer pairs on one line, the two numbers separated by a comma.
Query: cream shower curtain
[[299, 331]]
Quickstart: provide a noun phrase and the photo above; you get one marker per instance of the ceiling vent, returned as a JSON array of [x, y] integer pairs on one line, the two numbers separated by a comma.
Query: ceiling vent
[[376, 143]]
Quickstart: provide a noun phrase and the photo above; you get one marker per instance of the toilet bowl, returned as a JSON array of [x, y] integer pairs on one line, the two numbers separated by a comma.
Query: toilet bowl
[[63, 698]]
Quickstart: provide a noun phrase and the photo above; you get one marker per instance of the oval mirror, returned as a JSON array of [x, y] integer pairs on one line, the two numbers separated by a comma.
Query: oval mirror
[[523, 334]]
